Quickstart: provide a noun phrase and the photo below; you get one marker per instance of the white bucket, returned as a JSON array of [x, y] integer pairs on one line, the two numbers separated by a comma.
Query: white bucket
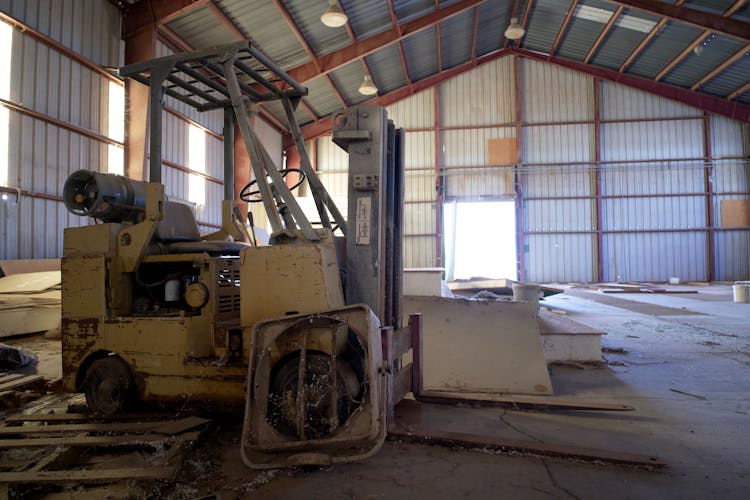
[[741, 291], [525, 292]]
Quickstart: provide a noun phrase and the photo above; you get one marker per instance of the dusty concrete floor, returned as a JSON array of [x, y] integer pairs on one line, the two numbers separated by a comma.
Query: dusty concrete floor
[[702, 431]]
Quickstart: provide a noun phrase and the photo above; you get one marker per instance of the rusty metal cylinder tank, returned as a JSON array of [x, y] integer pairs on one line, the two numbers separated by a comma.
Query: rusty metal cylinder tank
[[108, 197]]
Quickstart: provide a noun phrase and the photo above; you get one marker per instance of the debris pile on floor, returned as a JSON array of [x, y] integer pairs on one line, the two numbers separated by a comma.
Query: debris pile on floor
[[41, 452]]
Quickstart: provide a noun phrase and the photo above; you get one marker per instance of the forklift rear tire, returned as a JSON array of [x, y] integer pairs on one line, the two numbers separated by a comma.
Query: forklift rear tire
[[109, 386]]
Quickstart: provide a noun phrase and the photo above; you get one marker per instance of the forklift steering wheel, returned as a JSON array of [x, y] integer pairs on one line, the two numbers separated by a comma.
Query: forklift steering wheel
[[249, 196]]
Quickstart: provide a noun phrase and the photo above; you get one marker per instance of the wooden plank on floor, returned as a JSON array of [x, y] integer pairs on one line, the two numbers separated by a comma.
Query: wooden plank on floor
[[87, 476], [103, 441], [133, 427], [170, 427], [180, 426], [10, 377], [15, 384], [474, 441], [83, 417], [482, 399]]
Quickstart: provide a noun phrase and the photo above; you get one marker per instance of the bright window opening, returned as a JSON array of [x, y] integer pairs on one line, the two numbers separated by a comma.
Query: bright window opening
[[116, 129], [6, 50], [480, 239], [197, 162]]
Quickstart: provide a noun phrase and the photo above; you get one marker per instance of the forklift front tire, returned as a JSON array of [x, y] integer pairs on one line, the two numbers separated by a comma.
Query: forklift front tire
[[109, 386]]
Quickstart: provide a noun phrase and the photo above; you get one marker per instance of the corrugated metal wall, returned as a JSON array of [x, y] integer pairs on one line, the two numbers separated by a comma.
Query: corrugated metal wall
[[651, 176], [42, 155]]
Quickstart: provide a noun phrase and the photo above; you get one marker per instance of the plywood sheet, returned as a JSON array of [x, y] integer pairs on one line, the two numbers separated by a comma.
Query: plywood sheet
[[735, 213], [19, 266], [480, 346], [30, 282], [501, 151]]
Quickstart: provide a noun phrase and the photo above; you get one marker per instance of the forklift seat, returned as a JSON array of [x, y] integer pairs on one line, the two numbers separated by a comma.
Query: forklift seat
[[178, 233]]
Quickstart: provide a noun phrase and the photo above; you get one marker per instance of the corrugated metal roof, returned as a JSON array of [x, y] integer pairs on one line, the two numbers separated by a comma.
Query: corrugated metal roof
[[734, 77], [348, 79], [406, 10], [321, 96], [421, 54], [201, 29], [711, 6], [456, 36], [321, 39], [491, 15], [663, 48], [579, 39], [694, 67], [367, 18], [387, 72], [277, 110], [623, 39], [263, 23], [544, 23]]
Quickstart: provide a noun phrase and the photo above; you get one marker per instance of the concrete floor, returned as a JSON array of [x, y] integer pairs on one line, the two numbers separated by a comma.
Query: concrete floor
[[702, 431]]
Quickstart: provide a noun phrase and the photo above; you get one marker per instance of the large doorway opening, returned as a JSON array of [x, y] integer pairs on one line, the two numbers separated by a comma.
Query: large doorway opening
[[480, 239]]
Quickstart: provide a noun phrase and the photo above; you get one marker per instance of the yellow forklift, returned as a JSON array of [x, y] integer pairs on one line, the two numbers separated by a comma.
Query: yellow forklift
[[155, 312]]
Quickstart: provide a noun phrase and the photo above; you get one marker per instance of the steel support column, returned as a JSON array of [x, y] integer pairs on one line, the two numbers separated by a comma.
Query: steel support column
[[439, 184], [518, 177], [708, 175], [598, 181]]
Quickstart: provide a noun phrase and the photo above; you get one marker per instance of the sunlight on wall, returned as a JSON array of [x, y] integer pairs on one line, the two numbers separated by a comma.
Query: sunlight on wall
[[6, 49], [116, 128], [197, 162]]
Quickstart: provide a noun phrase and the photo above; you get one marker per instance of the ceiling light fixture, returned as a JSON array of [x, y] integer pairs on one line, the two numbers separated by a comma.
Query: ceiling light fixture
[[515, 30], [367, 87], [333, 17]]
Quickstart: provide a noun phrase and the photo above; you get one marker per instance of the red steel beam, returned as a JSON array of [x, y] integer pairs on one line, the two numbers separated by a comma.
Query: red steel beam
[[739, 91], [563, 27], [474, 35], [704, 20], [150, 13], [603, 34], [721, 67], [439, 41], [643, 43], [394, 21], [705, 102]]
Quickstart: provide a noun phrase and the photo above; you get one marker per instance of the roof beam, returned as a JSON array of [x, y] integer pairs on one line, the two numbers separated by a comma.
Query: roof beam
[[607, 27], [156, 12], [394, 21], [643, 43], [681, 56], [563, 27], [721, 67], [732, 8], [526, 15], [739, 91], [705, 102], [712, 22], [474, 35], [361, 48]]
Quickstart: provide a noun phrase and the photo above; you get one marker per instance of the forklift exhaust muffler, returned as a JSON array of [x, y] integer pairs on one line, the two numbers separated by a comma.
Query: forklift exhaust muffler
[[315, 390]]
